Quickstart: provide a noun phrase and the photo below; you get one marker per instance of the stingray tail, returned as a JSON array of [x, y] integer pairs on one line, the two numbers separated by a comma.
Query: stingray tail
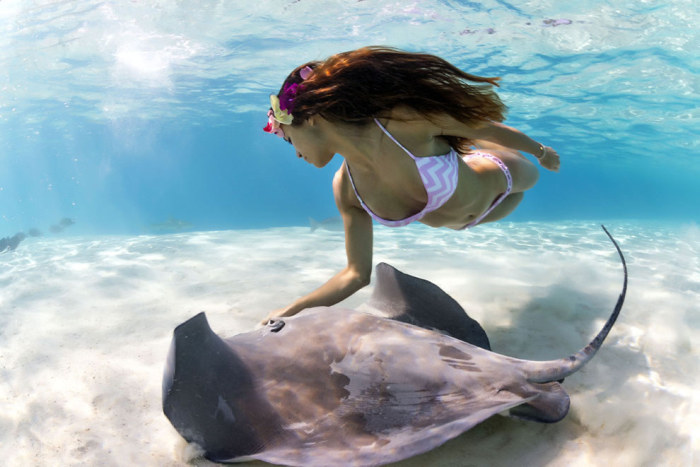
[[555, 370]]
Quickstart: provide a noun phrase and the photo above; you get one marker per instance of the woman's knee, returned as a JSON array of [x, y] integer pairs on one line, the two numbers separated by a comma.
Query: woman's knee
[[524, 172], [530, 175]]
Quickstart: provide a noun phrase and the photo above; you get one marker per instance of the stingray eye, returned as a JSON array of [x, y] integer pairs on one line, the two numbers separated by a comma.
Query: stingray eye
[[275, 325]]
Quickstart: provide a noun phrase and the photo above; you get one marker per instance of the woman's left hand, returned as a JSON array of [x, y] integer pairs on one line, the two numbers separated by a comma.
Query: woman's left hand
[[550, 159]]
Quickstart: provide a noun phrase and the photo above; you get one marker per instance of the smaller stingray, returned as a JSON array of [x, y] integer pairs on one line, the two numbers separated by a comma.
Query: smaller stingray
[[333, 386]]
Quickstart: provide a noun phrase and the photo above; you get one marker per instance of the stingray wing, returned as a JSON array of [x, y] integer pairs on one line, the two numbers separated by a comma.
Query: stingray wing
[[387, 438]]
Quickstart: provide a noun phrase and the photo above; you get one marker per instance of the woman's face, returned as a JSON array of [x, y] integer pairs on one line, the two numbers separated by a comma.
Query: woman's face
[[309, 143]]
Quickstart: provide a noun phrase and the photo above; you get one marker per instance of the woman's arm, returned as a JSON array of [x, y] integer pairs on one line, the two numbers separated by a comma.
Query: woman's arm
[[508, 136], [358, 248], [501, 134], [512, 138]]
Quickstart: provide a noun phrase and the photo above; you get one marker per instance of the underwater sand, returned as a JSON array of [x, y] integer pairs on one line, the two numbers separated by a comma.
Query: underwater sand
[[85, 325]]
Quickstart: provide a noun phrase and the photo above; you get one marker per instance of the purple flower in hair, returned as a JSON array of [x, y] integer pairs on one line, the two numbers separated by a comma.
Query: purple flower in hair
[[287, 96]]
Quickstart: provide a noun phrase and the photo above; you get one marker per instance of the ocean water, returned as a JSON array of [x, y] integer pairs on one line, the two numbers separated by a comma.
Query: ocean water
[[132, 159]]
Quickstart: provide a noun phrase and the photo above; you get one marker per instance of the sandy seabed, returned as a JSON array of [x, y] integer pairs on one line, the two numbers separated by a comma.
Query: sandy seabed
[[86, 322]]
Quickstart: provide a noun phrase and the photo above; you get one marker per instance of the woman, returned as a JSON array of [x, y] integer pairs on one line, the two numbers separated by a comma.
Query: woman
[[406, 125]]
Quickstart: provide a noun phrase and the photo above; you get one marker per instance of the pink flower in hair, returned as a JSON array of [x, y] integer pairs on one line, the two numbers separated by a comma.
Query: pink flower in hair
[[273, 126]]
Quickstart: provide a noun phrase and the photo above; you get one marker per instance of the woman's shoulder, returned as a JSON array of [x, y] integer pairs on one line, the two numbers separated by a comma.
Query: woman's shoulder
[[407, 120], [414, 128], [405, 113], [436, 123]]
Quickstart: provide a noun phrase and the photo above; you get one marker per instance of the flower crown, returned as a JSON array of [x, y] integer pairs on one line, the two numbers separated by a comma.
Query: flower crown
[[281, 107]]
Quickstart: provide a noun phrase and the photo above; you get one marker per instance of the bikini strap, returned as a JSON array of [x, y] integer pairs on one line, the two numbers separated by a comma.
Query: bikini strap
[[394, 139], [359, 198]]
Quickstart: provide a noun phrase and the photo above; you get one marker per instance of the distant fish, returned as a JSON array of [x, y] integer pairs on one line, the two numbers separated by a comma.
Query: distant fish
[[10, 243], [62, 224], [334, 224], [169, 226]]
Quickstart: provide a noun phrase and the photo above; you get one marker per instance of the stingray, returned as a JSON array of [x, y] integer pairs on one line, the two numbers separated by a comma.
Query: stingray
[[335, 386]]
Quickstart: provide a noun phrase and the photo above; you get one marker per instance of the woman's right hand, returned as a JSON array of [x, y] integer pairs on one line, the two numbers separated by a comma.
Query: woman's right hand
[[550, 159]]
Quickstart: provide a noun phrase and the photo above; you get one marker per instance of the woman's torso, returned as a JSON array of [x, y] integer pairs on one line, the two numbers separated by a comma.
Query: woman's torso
[[390, 184]]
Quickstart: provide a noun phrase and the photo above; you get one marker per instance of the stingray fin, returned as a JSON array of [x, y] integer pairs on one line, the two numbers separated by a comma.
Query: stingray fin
[[416, 301], [200, 399]]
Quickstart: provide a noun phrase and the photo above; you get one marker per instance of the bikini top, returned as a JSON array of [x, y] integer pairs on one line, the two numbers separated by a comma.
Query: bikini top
[[438, 173]]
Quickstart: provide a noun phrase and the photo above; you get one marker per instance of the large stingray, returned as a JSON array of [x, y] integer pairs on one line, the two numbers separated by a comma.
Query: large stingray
[[333, 386]]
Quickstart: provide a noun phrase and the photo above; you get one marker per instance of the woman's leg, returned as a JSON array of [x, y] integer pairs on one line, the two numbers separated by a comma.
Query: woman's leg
[[506, 206], [524, 174]]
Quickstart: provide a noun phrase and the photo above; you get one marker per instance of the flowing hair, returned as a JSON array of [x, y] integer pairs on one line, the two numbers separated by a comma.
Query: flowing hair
[[354, 87]]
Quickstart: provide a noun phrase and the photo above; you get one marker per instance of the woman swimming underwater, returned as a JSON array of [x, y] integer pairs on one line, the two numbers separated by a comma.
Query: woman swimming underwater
[[406, 125]]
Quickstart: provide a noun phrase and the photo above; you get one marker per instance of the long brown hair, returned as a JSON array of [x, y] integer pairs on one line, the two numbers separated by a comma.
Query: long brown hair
[[356, 86]]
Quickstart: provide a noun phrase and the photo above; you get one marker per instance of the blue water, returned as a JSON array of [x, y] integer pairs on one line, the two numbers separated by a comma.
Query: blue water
[[121, 115], [146, 117]]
